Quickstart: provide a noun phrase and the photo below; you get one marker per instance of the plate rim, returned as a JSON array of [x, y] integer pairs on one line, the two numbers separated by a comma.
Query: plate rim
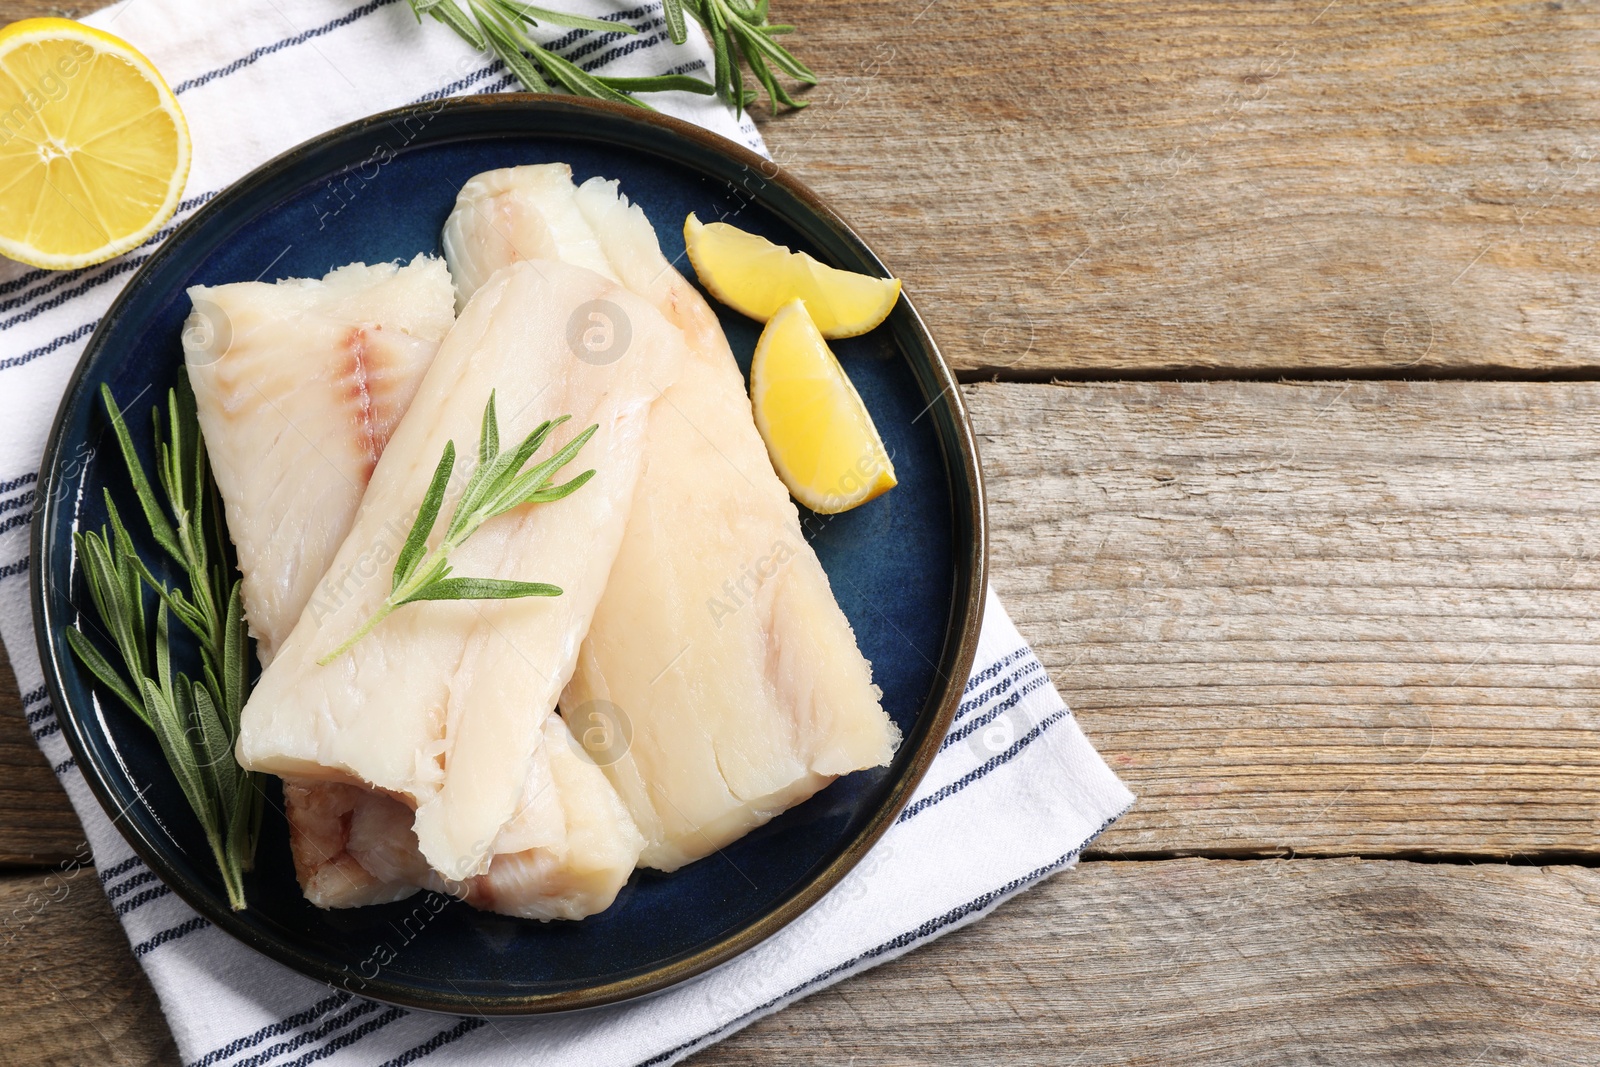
[[971, 569]]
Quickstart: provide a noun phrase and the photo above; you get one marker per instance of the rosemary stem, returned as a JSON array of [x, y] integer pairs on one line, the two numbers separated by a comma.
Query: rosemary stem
[[228, 865], [420, 577], [378, 616]]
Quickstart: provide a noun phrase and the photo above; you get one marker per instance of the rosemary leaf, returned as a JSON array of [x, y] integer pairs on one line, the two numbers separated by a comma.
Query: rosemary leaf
[[172, 733], [677, 28], [214, 747], [417, 540], [581, 82], [775, 90], [740, 30], [488, 437], [721, 49], [482, 589], [235, 660], [662, 83], [102, 669], [562, 18], [448, 13], [160, 528], [751, 38], [163, 650], [490, 474], [533, 486], [509, 49]]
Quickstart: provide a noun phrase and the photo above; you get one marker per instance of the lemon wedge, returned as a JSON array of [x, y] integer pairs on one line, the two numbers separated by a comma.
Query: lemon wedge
[[821, 439], [93, 148], [756, 277]]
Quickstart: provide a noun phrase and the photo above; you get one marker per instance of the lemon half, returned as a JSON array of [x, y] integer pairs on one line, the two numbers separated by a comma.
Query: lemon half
[[93, 148], [756, 277], [818, 432]]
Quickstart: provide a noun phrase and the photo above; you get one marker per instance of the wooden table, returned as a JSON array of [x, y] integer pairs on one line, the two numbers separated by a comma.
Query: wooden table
[[1280, 324]]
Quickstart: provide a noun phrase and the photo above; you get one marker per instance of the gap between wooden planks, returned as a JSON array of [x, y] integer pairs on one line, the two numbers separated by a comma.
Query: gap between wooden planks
[[1115, 963]]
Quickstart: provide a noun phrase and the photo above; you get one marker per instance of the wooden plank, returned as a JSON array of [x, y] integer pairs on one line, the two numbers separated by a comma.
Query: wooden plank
[[37, 825], [1198, 962], [1112, 188], [1337, 618], [11, 10], [1178, 962], [71, 992]]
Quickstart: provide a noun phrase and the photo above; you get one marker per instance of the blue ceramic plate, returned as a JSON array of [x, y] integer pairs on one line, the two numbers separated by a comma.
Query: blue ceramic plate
[[908, 568]]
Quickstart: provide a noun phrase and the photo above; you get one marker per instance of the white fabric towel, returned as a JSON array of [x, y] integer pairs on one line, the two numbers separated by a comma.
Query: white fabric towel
[[1013, 796]]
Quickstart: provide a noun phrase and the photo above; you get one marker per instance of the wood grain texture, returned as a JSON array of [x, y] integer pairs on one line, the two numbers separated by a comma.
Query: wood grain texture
[[12, 10], [1141, 187], [70, 991], [1329, 619], [1297, 619], [1205, 962], [1173, 963], [37, 825]]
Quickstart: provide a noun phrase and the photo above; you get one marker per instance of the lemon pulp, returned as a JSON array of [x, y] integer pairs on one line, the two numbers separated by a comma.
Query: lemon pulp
[[756, 277], [818, 432], [94, 150]]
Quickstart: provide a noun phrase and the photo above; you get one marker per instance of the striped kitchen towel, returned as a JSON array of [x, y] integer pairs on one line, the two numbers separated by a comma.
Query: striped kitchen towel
[[1014, 795]]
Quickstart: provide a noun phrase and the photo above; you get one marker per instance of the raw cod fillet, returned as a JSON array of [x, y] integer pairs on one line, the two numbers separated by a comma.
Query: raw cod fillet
[[299, 384], [445, 704], [718, 643]]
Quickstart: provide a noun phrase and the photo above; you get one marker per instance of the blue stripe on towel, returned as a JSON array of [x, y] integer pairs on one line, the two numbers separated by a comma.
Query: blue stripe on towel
[[277, 46], [181, 930], [316, 1011], [134, 903], [436, 1042]]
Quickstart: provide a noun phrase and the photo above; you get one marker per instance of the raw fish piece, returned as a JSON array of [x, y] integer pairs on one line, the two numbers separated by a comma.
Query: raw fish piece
[[444, 703], [718, 647], [354, 846], [577, 876], [299, 384], [519, 213]]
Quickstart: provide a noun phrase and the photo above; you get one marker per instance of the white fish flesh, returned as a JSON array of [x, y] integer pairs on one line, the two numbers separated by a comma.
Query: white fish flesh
[[352, 846], [444, 704], [355, 846], [718, 652], [299, 384]]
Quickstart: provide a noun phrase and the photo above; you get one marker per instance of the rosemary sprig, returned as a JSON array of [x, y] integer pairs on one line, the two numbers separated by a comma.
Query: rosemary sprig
[[500, 26], [196, 721], [498, 485], [737, 29]]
